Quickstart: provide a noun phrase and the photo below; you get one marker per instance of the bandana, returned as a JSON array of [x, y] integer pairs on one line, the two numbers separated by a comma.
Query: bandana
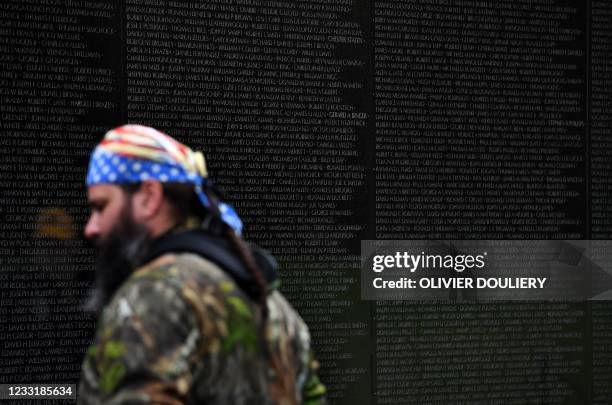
[[134, 153]]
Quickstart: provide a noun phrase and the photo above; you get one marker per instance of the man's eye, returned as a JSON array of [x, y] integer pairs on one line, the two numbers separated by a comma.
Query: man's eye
[[96, 207]]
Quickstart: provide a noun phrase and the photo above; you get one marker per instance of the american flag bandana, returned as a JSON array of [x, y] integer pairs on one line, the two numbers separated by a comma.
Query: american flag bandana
[[134, 153]]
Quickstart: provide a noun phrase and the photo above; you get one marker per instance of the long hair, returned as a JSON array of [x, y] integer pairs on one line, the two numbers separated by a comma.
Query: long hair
[[241, 248]]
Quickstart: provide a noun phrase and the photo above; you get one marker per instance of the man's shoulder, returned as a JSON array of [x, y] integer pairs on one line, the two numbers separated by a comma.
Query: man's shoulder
[[186, 282], [178, 271], [172, 282], [180, 265], [194, 280]]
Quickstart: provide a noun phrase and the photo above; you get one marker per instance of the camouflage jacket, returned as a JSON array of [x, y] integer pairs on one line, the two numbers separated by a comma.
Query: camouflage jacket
[[179, 331]]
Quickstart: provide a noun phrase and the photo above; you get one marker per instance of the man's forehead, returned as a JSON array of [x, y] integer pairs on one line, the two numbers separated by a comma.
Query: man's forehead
[[103, 192]]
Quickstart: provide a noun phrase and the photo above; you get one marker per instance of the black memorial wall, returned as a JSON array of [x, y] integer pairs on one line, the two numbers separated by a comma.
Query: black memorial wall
[[326, 123]]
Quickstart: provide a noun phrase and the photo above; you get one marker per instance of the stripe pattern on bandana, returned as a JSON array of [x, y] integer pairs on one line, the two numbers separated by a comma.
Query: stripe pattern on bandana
[[135, 153]]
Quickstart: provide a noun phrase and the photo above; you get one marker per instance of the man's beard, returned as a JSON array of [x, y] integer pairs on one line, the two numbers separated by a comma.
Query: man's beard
[[120, 253]]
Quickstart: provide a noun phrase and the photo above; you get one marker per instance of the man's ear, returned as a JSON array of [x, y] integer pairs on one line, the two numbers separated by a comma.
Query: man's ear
[[147, 200]]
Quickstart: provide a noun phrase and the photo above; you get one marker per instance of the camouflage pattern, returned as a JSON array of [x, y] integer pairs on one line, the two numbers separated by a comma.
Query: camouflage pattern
[[179, 331]]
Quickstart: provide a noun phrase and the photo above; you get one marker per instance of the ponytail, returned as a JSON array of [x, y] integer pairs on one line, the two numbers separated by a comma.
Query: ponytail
[[245, 254]]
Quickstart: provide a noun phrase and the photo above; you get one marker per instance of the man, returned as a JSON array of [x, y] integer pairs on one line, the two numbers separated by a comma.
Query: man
[[189, 314]]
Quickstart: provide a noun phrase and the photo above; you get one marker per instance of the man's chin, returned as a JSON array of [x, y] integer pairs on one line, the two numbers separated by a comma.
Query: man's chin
[[119, 255]]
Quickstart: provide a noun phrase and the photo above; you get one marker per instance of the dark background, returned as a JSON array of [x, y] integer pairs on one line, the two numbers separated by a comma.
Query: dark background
[[326, 123]]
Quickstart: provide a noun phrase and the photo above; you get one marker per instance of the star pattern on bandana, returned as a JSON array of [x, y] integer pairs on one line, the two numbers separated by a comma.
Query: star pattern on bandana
[[108, 168]]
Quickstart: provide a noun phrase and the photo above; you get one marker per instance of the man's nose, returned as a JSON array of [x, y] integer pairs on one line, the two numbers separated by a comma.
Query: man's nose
[[92, 230]]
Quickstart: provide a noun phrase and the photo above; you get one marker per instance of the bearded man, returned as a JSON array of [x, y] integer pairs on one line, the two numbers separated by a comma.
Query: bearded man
[[188, 310]]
